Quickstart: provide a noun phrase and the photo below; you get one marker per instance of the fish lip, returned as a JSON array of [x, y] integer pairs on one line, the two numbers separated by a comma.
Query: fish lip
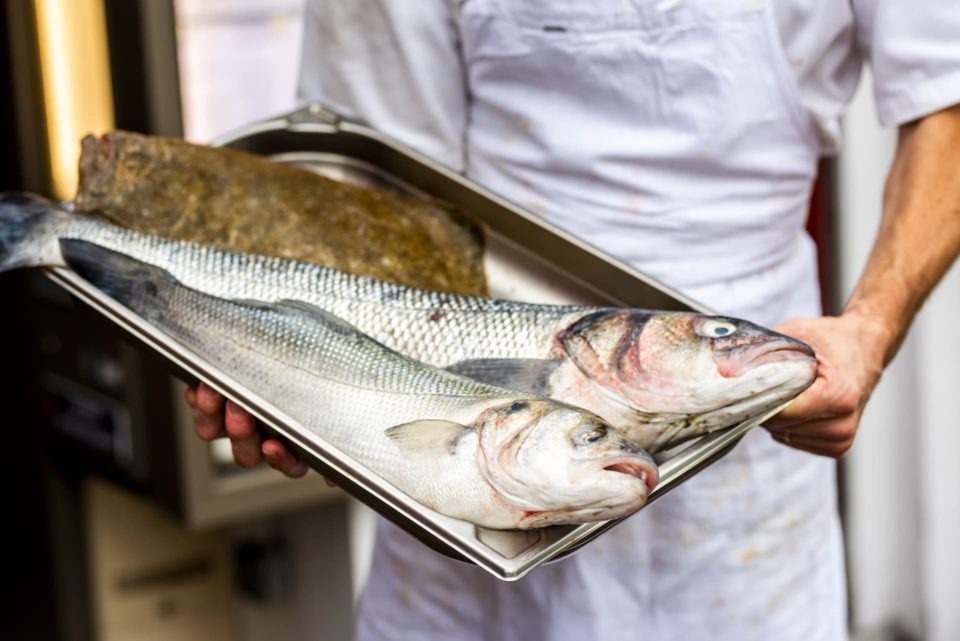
[[768, 398], [780, 350], [630, 466], [783, 349]]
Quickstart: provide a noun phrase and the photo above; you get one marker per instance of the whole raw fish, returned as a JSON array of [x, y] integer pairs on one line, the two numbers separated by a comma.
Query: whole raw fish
[[490, 456], [662, 377]]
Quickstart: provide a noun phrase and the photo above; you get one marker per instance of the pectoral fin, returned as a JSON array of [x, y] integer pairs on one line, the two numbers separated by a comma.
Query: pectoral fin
[[522, 374], [431, 437]]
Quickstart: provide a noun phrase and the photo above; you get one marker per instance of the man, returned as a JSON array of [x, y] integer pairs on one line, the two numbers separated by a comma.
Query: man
[[681, 136]]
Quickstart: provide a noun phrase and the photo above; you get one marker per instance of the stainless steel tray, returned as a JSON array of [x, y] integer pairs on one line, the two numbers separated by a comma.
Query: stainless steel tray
[[527, 259]]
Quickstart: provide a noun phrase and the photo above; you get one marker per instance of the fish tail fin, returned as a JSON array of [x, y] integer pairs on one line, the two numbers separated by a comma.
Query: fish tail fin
[[29, 228], [121, 277]]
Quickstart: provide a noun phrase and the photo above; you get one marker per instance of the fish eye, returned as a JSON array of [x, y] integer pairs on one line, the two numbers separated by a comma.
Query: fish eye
[[592, 435], [716, 328]]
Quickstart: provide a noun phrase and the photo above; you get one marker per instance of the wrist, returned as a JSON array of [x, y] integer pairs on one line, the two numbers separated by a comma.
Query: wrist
[[877, 336]]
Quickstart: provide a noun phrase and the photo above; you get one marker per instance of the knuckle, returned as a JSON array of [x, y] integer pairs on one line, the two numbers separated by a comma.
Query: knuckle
[[208, 406], [240, 428], [206, 429], [847, 444], [238, 422], [205, 434], [244, 459], [840, 448], [209, 401], [848, 402], [295, 469], [243, 455], [840, 431]]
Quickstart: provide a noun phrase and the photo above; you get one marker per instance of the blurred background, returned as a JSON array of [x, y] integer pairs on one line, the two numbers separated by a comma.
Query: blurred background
[[123, 525]]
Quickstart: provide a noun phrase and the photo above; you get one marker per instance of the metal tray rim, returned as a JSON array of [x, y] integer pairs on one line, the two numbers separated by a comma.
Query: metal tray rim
[[675, 470]]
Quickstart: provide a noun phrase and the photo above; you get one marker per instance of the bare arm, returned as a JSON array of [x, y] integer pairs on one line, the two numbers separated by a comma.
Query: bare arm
[[919, 239]]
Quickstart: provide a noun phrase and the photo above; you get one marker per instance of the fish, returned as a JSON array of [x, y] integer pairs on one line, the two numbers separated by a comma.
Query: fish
[[662, 377], [471, 451], [242, 202]]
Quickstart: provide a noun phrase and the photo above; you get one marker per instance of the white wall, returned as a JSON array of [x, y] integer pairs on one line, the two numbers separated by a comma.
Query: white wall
[[938, 384], [902, 483]]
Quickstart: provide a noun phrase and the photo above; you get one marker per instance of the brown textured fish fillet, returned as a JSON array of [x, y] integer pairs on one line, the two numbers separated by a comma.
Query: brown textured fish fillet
[[241, 202]]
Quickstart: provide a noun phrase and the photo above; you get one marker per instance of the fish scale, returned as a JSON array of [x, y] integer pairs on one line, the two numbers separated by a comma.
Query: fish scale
[[334, 380], [418, 427], [655, 375], [436, 328]]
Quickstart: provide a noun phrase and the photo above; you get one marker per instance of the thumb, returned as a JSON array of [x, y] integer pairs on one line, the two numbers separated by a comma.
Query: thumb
[[800, 409]]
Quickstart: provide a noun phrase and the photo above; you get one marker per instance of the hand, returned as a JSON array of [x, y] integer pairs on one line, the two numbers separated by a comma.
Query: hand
[[216, 417], [850, 354]]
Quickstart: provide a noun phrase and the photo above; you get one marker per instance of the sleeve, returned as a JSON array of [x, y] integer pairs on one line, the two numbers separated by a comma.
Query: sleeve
[[913, 48], [394, 64]]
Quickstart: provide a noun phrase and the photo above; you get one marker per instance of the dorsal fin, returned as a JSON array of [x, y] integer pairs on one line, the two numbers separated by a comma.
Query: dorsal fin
[[297, 308], [306, 308]]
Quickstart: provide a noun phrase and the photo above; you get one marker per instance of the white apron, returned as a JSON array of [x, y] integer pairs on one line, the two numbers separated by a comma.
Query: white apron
[[668, 133]]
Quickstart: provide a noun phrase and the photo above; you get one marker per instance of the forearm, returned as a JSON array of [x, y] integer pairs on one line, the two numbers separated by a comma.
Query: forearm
[[919, 235], [918, 240]]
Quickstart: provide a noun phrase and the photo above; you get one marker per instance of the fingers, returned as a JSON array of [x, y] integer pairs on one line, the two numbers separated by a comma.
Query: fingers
[[242, 430], [835, 429], [280, 458], [216, 417], [208, 412], [800, 409], [813, 445], [826, 437], [830, 397], [824, 418]]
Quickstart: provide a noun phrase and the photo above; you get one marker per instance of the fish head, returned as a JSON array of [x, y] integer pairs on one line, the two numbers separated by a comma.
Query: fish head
[[559, 463], [687, 364]]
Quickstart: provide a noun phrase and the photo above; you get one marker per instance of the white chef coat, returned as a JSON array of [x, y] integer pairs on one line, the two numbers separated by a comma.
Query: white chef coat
[[396, 64], [682, 136]]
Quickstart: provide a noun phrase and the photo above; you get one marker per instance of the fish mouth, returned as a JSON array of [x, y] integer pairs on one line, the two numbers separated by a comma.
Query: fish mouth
[[732, 364], [738, 411], [642, 472], [783, 351]]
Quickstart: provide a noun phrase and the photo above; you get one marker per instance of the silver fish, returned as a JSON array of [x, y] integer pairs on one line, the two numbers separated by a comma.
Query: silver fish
[[466, 449], [662, 377]]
